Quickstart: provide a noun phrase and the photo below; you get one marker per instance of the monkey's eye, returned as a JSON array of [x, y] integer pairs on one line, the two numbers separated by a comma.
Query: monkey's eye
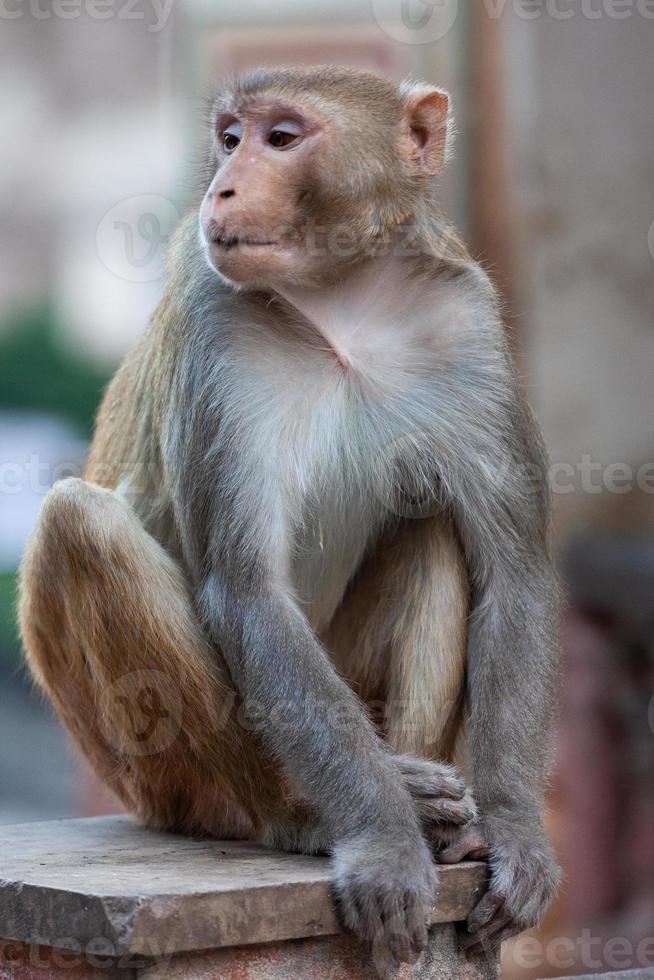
[[232, 137], [284, 134]]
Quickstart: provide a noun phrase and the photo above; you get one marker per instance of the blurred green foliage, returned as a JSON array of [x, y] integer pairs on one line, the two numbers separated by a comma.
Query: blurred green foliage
[[39, 375], [9, 642]]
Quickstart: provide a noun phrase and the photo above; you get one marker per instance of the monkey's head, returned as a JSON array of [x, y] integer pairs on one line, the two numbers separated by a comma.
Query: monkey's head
[[312, 168]]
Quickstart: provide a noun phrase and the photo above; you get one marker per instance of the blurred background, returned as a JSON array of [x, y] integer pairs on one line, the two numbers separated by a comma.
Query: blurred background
[[553, 186]]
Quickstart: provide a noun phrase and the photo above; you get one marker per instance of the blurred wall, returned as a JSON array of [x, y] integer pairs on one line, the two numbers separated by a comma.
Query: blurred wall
[[578, 96]]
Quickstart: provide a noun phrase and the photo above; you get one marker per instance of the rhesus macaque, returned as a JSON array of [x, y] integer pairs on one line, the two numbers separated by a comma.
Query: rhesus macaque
[[316, 495]]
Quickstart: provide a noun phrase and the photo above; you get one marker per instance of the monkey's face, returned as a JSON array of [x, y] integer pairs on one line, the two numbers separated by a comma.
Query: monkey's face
[[307, 181], [256, 213]]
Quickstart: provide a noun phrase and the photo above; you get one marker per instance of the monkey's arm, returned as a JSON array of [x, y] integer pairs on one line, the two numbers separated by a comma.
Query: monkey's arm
[[512, 658], [312, 722], [312, 719], [503, 506]]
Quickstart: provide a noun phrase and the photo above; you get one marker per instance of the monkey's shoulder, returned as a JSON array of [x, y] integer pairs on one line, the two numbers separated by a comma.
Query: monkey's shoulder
[[451, 308]]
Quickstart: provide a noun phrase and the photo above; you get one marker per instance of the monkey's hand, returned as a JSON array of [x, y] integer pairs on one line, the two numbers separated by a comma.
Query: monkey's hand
[[442, 802], [523, 879], [385, 885], [385, 880]]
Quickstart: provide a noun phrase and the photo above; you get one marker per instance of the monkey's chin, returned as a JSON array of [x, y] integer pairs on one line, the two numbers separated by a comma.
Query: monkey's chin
[[257, 266]]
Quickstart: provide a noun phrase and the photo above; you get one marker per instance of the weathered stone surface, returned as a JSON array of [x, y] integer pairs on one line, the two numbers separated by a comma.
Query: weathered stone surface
[[325, 958], [644, 974], [336, 958], [21, 962], [109, 884]]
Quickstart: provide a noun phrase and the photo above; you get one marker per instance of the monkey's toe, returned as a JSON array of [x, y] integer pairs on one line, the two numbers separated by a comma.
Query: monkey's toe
[[426, 778], [471, 845], [434, 811]]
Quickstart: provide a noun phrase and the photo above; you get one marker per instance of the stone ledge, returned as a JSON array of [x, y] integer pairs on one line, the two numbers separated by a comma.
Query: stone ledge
[[322, 958], [645, 974], [109, 886]]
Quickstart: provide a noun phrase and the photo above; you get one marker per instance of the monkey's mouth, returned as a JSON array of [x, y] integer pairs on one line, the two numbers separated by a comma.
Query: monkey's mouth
[[229, 242]]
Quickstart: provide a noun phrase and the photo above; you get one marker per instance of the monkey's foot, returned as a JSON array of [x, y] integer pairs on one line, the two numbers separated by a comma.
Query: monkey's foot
[[463, 845], [442, 801]]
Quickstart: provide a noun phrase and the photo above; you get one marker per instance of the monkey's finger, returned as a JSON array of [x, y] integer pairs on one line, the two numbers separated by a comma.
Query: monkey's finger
[[485, 911], [371, 917], [401, 947], [491, 936], [350, 909], [384, 958], [416, 924], [443, 785], [508, 932], [350, 916], [393, 925], [457, 812], [424, 778], [382, 963], [437, 791]]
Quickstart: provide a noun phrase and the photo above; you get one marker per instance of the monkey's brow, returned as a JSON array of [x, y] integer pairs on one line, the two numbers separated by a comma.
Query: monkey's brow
[[262, 105]]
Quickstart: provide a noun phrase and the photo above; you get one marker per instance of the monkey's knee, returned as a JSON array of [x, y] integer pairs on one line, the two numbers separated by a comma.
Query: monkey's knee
[[83, 524], [72, 498], [95, 585], [67, 544], [50, 571]]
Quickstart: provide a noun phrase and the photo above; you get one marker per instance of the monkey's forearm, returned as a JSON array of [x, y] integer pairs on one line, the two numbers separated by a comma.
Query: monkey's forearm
[[512, 670], [313, 723]]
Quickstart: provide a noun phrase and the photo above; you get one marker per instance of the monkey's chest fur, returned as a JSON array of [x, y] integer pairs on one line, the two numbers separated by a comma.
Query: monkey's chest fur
[[338, 452], [333, 471]]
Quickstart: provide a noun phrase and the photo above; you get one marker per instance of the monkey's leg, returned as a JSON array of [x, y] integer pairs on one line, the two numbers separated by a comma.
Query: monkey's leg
[[112, 639], [400, 639], [400, 636]]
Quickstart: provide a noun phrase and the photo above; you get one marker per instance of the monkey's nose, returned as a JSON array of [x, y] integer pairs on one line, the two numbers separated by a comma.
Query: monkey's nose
[[227, 193]]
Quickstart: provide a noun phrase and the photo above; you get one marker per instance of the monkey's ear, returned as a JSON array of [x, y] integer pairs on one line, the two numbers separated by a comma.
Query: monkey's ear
[[424, 128]]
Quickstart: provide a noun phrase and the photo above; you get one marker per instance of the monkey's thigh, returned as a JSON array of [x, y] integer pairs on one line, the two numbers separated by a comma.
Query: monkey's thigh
[[400, 637], [112, 638]]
